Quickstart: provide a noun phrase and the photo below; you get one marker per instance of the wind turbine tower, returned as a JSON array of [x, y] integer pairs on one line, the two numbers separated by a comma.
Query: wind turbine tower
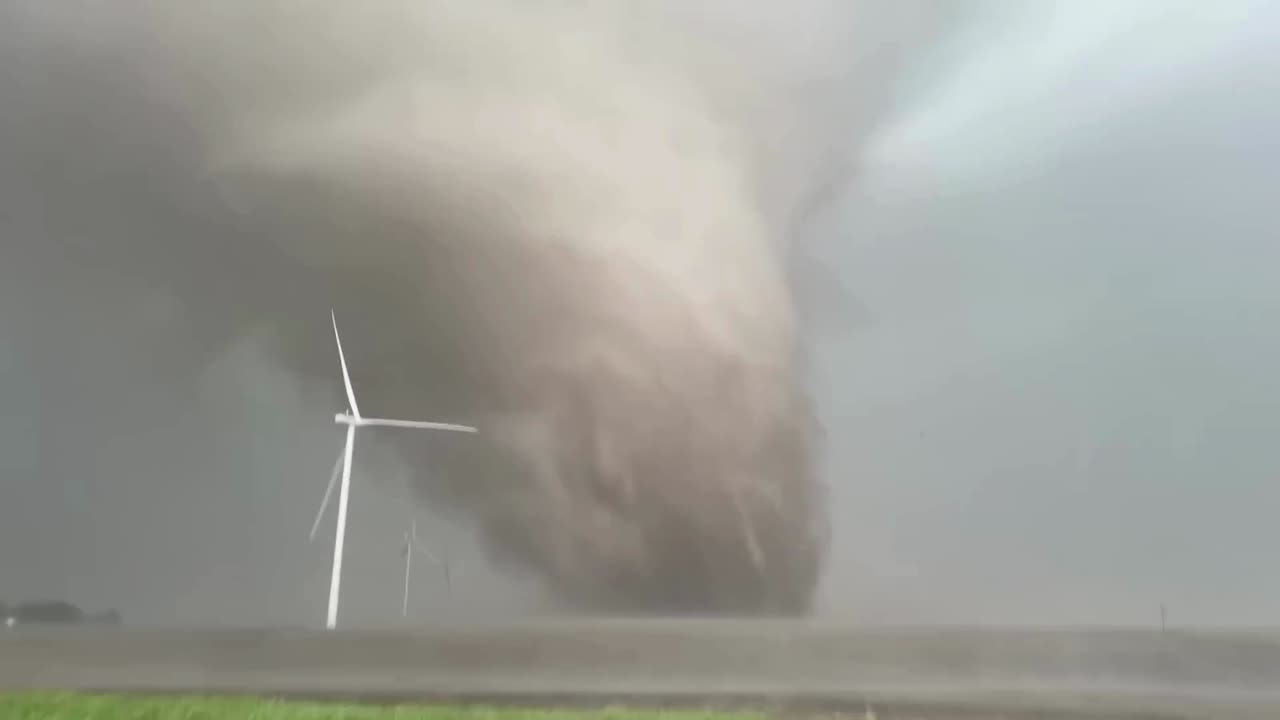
[[353, 419]]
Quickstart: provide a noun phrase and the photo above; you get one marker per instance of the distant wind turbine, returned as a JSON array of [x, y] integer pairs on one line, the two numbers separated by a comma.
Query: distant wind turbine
[[353, 419], [411, 544]]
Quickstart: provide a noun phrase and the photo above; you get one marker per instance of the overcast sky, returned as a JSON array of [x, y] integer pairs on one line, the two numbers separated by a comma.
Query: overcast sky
[[1052, 399], [1065, 406]]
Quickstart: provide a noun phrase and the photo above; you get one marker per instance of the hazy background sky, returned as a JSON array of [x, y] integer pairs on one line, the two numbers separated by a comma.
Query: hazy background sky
[[1052, 398], [1065, 406]]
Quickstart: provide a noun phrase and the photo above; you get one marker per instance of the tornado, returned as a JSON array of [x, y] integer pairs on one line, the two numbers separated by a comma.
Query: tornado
[[570, 224]]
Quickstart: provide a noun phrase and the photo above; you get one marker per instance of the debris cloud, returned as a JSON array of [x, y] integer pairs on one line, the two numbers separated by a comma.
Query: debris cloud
[[567, 223]]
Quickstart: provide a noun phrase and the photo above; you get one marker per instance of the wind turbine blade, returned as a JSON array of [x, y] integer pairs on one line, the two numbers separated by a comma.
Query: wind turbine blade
[[346, 377], [442, 562], [408, 565], [430, 555], [418, 544], [328, 493], [448, 574], [418, 424]]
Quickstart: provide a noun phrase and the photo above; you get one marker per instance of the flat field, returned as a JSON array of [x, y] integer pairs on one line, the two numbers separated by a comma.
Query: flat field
[[70, 706], [783, 668]]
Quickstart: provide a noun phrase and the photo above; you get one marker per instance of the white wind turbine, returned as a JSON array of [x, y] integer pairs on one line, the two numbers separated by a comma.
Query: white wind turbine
[[411, 544], [353, 419]]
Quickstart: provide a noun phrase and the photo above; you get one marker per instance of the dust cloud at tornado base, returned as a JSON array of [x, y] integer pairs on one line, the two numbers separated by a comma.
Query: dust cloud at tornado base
[[570, 225]]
